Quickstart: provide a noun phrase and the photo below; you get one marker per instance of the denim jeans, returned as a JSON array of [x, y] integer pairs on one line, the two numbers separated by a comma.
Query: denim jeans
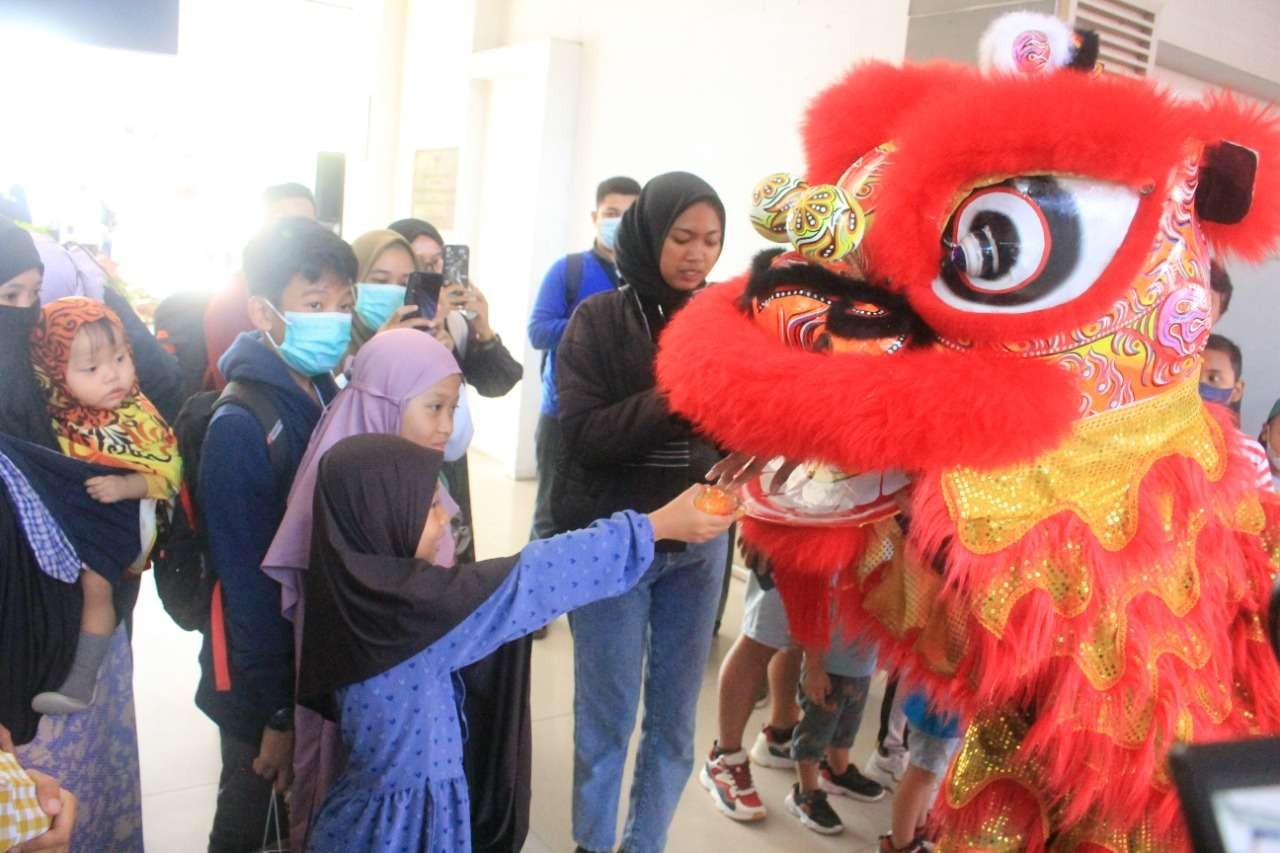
[[658, 633]]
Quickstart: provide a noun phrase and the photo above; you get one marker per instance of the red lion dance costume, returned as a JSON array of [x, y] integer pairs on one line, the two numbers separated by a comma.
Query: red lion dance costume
[[998, 283]]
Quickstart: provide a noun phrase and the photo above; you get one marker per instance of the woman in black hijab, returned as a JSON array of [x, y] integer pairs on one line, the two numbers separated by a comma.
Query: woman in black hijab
[[24, 410], [387, 631], [624, 448]]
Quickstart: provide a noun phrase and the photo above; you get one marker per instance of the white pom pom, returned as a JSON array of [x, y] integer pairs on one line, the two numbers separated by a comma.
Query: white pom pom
[[1025, 43]]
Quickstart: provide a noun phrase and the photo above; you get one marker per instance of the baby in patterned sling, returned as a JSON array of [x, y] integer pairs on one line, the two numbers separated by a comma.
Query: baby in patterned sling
[[85, 365]]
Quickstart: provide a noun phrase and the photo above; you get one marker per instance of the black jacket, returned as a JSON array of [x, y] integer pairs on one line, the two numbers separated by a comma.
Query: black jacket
[[614, 419]]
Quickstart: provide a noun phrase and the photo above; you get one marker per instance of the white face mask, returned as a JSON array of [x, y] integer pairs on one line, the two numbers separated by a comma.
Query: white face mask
[[607, 229]]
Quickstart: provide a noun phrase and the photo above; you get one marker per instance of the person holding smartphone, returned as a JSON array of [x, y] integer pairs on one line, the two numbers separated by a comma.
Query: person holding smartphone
[[487, 364]]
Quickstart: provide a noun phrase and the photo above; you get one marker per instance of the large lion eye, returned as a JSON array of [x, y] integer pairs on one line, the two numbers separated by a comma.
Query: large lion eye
[[1031, 243]]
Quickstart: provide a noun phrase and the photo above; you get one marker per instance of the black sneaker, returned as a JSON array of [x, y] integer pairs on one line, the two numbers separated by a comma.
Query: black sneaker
[[851, 783], [813, 810]]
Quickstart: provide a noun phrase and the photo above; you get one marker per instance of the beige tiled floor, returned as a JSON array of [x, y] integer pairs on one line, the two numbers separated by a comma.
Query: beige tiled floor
[[180, 748]]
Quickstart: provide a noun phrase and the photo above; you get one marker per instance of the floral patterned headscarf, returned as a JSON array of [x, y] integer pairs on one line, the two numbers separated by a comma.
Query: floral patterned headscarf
[[132, 436]]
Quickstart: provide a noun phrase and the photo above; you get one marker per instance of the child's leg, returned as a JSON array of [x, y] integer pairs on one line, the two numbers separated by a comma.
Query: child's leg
[[930, 756], [807, 775], [838, 759], [741, 676], [807, 802], [784, 675], [838, 775], [852, 703], [99, 613], [813, 735], [97, 624], [911, 804]]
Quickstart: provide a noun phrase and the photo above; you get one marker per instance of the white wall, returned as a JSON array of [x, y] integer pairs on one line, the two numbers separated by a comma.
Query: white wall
[[1238, 33], [715, 87]]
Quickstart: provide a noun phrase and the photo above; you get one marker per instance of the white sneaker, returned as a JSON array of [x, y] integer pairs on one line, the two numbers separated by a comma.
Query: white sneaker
[[768, 751], [887, 769]]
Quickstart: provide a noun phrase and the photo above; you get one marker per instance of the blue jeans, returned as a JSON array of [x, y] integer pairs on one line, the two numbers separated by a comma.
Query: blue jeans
[[660, 630]]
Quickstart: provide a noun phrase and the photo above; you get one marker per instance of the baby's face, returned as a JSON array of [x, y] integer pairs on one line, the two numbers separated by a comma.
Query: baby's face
[[100, 372]]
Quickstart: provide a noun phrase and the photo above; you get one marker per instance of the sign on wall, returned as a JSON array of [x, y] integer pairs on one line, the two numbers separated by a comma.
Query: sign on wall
[[435, 185]]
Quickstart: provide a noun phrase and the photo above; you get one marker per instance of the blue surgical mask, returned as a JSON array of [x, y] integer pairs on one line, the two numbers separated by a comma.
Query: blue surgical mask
[[1213, 394], [375, 303], [607, 229], [314, 343]]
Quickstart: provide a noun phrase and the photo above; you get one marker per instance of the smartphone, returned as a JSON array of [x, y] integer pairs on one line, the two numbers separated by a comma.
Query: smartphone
[[457, 266], [423, 290]]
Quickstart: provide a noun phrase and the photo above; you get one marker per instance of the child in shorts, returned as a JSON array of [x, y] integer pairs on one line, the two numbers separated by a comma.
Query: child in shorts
[[833, 695], [935, 736]]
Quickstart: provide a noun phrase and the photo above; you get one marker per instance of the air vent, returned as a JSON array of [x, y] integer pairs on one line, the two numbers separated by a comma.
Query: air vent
[[1126, 30]]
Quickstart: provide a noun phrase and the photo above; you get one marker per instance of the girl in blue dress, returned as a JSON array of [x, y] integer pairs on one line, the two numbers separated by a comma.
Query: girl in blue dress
[[387, 630]]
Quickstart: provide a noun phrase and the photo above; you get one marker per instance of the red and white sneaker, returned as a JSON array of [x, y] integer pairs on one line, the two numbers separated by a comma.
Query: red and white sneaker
[[727, 777]]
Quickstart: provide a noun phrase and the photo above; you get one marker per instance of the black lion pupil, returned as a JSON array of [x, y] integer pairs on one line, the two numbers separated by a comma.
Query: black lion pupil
[[998, 239]]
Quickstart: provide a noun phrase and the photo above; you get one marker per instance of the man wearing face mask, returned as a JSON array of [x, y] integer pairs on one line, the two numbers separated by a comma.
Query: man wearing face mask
[[300, 278], [569, 282]]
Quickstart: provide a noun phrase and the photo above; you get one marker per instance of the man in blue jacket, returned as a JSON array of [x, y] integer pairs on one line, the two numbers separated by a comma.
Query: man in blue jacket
[[569, 282], [300, 278]]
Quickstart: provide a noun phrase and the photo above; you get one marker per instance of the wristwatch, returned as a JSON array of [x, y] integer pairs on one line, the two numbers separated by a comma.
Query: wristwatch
[[282, 720]]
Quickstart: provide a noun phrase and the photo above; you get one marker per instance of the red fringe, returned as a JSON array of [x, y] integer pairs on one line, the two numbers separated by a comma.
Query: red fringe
[[750, 391]]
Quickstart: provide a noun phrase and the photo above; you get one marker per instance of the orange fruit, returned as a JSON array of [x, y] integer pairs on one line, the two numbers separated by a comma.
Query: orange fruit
[[717, 501]]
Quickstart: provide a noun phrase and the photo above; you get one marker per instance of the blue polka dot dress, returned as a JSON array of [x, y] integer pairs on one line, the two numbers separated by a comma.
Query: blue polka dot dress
[[403, 787]]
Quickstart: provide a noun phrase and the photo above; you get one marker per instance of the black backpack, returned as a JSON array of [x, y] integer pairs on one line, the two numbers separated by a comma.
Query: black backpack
[[184, 577]]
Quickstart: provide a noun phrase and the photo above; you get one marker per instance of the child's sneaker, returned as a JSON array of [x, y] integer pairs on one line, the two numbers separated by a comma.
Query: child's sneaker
[[773, 748], [727, 777], [917, 845], [887, 767], [813, 810], [851, 783]]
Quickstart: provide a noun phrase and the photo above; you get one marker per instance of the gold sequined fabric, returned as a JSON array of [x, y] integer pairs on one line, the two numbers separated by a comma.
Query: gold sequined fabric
[[990, 753], [905, 598], [1095, 473]]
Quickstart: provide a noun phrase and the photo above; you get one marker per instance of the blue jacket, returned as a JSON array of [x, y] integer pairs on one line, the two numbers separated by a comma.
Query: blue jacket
[[241, 505], [551, 313]]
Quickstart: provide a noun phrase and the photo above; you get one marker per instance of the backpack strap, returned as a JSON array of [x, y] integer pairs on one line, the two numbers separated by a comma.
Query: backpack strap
[[572, 278], [251, 396], [572, 287]]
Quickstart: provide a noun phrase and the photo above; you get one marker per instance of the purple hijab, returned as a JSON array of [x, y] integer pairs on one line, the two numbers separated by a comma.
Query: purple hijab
[[68, 272], [391, 369]]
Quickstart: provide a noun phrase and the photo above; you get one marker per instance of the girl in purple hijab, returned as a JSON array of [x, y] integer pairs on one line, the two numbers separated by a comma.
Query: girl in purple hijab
[[391, 377]]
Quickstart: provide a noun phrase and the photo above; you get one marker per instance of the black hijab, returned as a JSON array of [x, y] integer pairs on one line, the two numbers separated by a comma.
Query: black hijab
[[24, 409], [643, 231], [412, 229], [17, 252], [370, 603]]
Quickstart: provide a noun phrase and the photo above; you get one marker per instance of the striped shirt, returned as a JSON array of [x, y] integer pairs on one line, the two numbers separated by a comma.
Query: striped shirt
[[53, 551]]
